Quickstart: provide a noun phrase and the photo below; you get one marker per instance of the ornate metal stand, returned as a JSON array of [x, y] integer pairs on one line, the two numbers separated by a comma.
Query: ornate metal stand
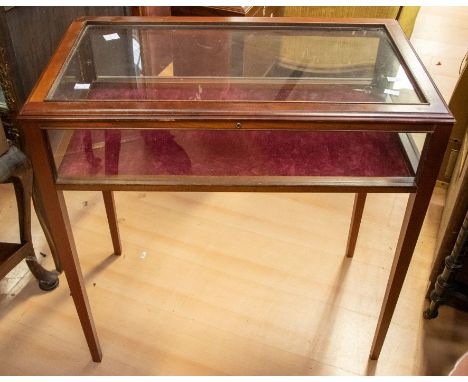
[[445, 287]]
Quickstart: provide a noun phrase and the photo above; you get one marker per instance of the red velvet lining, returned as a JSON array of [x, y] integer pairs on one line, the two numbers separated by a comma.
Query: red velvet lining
[[233, 153], [180, 91]]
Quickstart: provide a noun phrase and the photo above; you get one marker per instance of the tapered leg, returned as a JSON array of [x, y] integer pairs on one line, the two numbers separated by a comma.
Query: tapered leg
[[112, 219], [359, 202], [42, 217], [60, 230], [434, 149]]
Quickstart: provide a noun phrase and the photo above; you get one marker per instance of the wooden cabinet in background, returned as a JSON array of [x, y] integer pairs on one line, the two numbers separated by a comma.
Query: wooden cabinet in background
[[225, 11]]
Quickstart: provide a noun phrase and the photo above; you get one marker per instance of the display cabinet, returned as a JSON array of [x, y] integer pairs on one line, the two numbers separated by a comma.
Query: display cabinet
[[235, 104]]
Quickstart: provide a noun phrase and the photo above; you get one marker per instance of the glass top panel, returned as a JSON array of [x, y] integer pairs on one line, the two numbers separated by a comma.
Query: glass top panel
[[320, 63]]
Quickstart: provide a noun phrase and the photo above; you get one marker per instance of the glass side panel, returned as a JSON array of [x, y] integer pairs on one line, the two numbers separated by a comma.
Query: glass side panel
[[349, 64], [92, 155]]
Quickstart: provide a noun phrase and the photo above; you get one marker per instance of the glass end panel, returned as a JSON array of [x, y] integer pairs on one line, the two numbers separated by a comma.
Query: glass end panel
[[127, 155], [318, 63]]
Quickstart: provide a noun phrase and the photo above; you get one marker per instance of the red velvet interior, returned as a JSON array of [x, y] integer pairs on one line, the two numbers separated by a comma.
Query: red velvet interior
[[180, 91], [233, 153]]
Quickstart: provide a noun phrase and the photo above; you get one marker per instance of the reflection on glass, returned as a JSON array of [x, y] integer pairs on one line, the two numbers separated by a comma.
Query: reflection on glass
[[418, 140], [137, 56], [249, 63], [132, 154], [3, 104]]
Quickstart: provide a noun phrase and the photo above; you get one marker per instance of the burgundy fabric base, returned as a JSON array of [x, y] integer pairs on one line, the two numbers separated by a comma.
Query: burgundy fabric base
[[232, 92], [136, 152]]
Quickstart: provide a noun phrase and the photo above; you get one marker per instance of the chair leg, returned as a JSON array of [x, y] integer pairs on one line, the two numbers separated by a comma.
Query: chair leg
[[48, 280], [112, 219], [445, 283], [22, 181], [358, 209]]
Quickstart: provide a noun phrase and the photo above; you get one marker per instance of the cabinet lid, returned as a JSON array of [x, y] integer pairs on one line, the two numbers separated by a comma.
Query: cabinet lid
[[236, 67]]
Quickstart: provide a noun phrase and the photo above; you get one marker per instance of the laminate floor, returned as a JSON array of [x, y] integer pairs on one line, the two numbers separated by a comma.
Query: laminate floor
[[235, 283]]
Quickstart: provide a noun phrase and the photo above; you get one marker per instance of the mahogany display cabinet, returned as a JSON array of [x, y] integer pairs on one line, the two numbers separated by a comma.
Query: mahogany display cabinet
[[235, 104]]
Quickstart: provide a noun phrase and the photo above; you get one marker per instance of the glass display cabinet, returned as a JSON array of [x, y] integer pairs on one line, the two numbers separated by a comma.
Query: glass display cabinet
[[235, 104]]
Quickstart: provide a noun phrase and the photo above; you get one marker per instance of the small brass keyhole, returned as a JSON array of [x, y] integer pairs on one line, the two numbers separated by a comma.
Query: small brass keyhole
[[238, 125]]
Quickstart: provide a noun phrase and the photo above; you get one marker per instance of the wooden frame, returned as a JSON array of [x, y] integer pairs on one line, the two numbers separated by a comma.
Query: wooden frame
[[432, 117]]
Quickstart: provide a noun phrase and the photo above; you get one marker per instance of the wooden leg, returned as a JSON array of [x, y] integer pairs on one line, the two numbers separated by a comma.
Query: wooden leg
[[22, 180], [359, 201], [445, 285], [413, 220], [414, 217], [42, 217], [60, 230], [17, 170], [112, 219]]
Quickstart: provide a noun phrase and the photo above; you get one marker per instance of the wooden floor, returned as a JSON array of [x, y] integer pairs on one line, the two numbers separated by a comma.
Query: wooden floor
[[440, 38], [240, 284]]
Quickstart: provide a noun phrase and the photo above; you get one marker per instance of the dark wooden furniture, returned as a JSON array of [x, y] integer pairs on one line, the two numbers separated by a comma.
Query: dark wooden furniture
[[335, 120], [219, 11], [456, 201], [446, 286], [27, 56], [457, 105], [15, 168]]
